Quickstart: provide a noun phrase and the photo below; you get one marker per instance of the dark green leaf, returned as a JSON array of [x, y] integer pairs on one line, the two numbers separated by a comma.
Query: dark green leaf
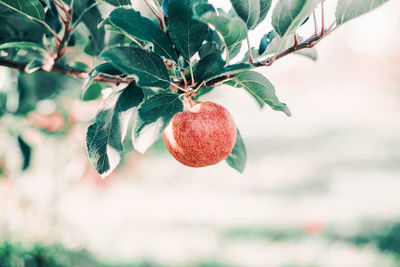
[[261, 88], [106, 68], [104, 138], [350, 9], [289, 14], [248, 11], [26, 152], [93, 92], [208, 67], [271, 48], [3, 103], [238, 157], [265, 41], [154, 114], [228, 70], [202, 91], [118, 2], [209, 48], [186, 33], [142, 28], [32, 8], [147, 66], [80, 66]]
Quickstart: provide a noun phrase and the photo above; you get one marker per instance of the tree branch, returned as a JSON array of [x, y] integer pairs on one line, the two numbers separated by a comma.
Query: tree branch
[[310, 42], [71, 72]]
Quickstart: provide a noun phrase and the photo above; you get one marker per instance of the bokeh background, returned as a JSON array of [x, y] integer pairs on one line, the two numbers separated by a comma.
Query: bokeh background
[[321, 188]]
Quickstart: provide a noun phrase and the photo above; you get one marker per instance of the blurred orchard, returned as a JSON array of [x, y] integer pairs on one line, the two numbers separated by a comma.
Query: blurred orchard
[[320, 188]]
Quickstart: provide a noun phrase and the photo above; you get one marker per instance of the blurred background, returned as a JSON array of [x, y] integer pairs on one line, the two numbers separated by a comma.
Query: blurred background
[[321, 188]]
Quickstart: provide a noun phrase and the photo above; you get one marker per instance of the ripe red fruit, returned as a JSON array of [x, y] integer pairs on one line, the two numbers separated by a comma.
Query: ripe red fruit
[[202, 135]]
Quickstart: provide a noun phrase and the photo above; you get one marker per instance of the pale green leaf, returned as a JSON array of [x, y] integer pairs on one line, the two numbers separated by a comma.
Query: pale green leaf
[[265, 6], [233, 30], [104, 138], [310, 53], [261, 88], [238, 157], [24, 45], [350, 9], [248, 11], [289, 14], [31, 8]]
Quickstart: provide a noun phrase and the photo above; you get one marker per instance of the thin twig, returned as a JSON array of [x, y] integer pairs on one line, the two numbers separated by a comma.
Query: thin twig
[[71, 72], [249, 50], [296, 41], [191, 73], [159, 18], [67, 30], [322, 18], [315, 22]]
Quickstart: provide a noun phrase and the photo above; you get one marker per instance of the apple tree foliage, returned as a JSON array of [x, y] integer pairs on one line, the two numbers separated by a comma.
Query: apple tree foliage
[[152, 59]]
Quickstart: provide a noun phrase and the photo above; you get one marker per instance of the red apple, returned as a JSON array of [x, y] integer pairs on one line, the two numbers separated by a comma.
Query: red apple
[[202, 135]]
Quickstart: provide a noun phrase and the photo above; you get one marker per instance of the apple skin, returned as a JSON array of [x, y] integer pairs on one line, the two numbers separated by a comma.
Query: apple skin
[[202, 135]]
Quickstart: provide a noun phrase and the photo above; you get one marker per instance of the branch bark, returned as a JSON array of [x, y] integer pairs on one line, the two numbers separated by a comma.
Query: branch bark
[[310, 42], [71, 72]]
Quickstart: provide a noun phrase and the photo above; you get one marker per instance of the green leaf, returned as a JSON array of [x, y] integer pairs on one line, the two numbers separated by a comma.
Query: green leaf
[[93, 92], [118, 2], [90, 17], [186, 33], [208, 67], [311, 53], [261, 88], [238, 157], [350, 9], [154, 114], [233, 30], [265, 41], [272, 45], [209, 48], [24, 45], [265, 6], [142, 28], [235, 84], [106, 68], [289, 14], [248, 11], [229, 70], [33, 65], [26, 152], [104, 137], [147, 66], [31, 8]]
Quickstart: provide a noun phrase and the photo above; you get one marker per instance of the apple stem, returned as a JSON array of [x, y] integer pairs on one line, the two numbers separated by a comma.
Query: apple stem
[[188, 102]]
